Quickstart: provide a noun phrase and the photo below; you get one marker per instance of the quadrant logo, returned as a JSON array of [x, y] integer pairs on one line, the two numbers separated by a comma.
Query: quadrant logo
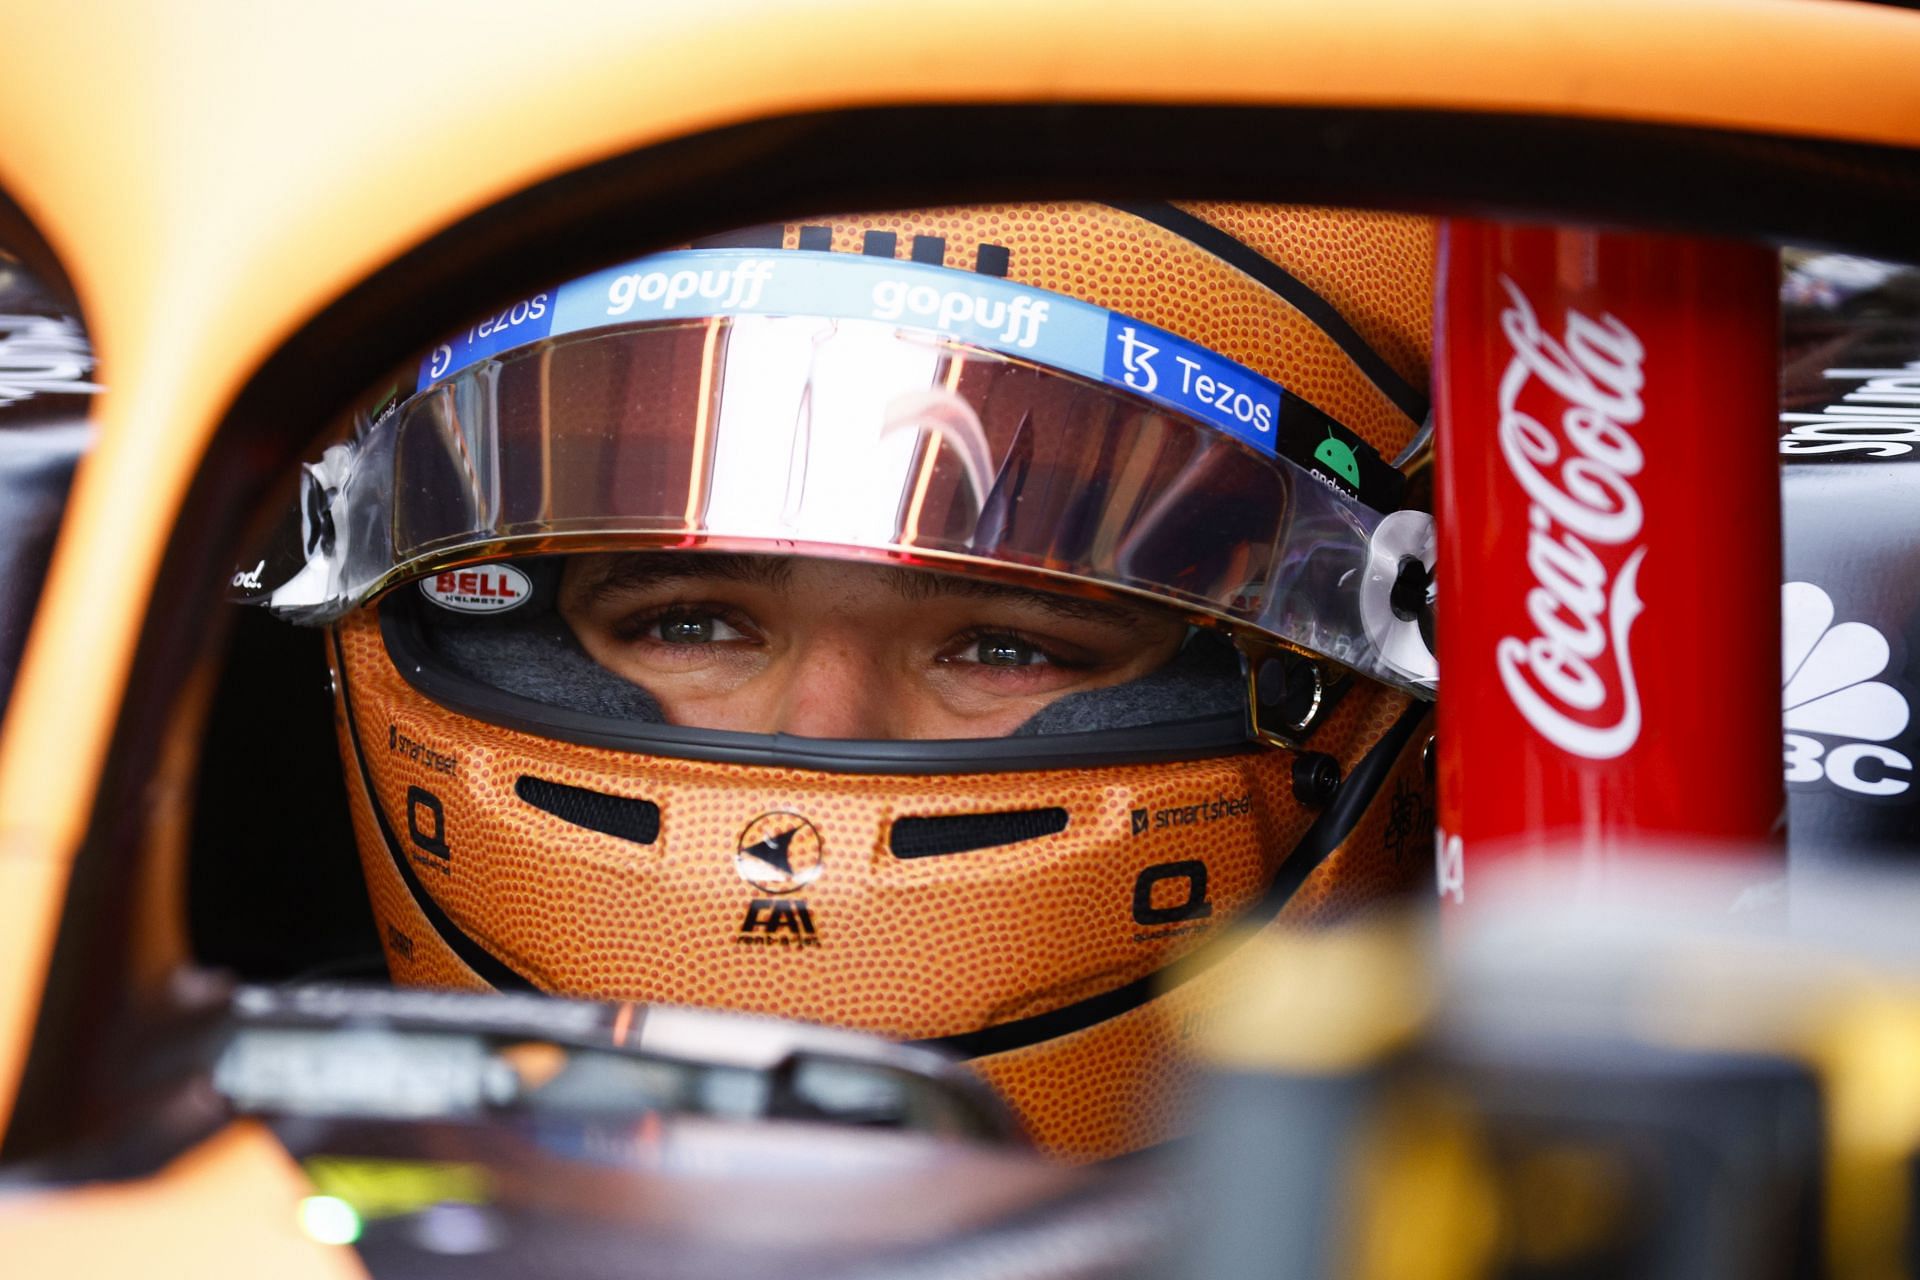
[[1838, 717]]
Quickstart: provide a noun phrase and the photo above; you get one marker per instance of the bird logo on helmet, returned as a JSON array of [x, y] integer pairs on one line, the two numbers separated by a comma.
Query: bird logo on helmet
[[880, 520]]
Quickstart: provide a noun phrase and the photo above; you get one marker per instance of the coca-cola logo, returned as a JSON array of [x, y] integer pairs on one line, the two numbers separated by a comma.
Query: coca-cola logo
[[1566, 406]]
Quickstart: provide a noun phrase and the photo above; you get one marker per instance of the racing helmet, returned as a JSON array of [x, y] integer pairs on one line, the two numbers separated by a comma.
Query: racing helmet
[[1182, 410]]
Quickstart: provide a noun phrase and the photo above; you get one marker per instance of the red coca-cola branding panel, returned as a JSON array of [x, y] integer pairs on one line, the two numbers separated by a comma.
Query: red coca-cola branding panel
[[1609, 554]]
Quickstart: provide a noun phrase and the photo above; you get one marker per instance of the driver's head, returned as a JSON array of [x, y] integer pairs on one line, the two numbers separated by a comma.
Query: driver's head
[[894, 621]]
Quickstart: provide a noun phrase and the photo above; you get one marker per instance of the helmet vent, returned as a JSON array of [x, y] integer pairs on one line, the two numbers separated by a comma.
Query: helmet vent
[[962, 832], [636, 820]]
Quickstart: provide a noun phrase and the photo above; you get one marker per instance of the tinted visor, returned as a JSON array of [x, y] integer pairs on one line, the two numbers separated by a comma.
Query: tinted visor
[[851, 438]]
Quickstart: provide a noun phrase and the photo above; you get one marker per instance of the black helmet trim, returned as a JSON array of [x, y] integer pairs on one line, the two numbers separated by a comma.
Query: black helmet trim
[[402, 632]]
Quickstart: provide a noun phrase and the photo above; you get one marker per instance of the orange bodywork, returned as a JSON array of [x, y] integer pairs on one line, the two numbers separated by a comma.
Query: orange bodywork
[[212, 175], [241, 1179]]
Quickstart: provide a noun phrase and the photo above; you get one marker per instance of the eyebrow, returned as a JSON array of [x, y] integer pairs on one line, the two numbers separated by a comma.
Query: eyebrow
[[640, 570], [915, 585]]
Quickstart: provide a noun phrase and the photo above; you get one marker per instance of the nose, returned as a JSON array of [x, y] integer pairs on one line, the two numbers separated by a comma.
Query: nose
[[837, 688]]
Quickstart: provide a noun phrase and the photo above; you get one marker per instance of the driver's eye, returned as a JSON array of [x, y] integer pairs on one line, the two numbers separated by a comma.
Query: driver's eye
[[693, 628], [686, 630], [1005, 651]]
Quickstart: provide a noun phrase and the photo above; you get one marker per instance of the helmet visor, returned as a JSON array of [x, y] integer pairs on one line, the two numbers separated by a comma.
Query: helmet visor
[[853, 438]]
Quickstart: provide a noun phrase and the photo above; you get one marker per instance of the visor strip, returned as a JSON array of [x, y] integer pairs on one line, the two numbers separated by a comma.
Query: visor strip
[[997, 315]]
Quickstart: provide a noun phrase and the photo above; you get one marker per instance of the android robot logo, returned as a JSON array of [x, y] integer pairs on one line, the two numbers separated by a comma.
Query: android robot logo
[[1337, 456]]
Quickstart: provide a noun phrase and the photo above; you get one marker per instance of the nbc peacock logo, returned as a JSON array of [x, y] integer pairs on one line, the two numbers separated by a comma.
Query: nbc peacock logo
[[1839, 718]]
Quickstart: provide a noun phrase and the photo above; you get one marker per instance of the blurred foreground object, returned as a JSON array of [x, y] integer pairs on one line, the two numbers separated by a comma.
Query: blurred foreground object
[[441, 1133], [1625, 1089]]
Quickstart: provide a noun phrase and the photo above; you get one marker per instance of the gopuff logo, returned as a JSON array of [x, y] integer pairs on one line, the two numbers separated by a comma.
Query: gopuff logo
[[737, 287], [1581, 608], [1018, 320], [779, 853], [1828, 690]]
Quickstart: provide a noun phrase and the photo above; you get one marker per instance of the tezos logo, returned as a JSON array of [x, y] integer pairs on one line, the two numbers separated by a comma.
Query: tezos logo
[[779, 853], [1828, 689], [490, 588]]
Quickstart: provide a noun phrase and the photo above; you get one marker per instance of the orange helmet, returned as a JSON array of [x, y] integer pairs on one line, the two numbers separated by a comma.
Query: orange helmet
[[1185, 410]]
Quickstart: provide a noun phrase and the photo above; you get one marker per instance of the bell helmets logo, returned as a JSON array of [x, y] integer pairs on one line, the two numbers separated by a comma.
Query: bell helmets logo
[[487, 588], [1829, 695], [1570, 446], [779, 853]]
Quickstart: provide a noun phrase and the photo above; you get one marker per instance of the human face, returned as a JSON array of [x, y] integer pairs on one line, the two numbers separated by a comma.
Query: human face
[[824, 649]]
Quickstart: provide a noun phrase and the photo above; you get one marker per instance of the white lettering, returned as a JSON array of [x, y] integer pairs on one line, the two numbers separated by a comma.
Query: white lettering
[[1889, 774], [1018, 320], [519, 313], [738, 287], [1449, 867], [1843, 769], [1577, 614], [1187, 369], [39, 354], [1855, 375], [1879, 419], [680, 287], [1803, 758]]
